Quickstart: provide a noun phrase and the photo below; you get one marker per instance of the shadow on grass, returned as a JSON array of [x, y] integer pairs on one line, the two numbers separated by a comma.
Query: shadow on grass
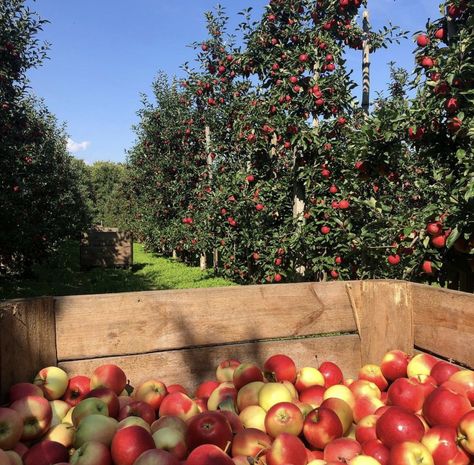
[[61, 275]]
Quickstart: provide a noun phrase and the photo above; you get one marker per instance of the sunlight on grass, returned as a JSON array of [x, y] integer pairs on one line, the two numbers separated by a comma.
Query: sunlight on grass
[[61, 275]]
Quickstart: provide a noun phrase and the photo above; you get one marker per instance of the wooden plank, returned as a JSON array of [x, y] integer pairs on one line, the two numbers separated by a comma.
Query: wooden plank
[[27, 340], [444, 322], [139, 322], [382, 310], [191, 366]]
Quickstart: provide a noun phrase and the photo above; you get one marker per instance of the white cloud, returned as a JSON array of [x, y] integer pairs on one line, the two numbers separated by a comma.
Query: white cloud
[[75, 147]]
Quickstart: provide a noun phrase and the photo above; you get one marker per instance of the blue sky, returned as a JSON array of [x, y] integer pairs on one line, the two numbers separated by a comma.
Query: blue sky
[[105, 53]]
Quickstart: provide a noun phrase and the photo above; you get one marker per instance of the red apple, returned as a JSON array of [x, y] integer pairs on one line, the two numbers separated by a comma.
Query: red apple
[[342, 409], [397, 425], [138, 409], [331, 372], [208, 428], [373, 373], [250, 442], [152, 392], [286, 449], [109, 376], [248, 395], [109, 397], [421, 364], [11, 428], [35, 413], [342, 450], [377, 450], [365, 406], [443, 370], [284, 417], [321, 426], [279, 368], [410, 453], [466, 432], [422, 40], [224, 397], [19, 390], [46, 453], [365, 428], [394, 364], [308, 376], [445, 407], [407, 393], [465, 378], [179, 405], [129, 443], [225, 370], [205, 388], [208, 454], [92, 453], [177, 388], [442, 445], [156, 457], [246, 373], [77, 388]]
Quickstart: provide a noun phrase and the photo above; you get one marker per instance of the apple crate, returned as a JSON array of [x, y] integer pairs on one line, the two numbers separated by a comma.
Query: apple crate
[[179, 336]]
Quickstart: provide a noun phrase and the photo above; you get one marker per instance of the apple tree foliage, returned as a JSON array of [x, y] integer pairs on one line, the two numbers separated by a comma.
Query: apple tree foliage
[[272, 166], [40, 199]]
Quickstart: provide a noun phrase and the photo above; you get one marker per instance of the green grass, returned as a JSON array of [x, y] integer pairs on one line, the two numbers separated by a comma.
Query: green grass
[[61, 275]]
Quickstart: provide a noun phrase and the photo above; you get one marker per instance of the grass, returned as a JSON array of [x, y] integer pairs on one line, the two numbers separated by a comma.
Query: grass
[[61, 275]]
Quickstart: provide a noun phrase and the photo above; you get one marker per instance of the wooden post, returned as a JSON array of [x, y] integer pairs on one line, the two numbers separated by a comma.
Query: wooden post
[[27, 340], [207, 132], [366, 65]]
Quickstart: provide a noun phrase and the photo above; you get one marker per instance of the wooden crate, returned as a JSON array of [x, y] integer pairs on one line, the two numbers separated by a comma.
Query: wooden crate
[[179, 336], [106, 248]]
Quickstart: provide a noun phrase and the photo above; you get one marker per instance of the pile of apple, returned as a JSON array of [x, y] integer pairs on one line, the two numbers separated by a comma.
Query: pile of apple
[[407, 410]]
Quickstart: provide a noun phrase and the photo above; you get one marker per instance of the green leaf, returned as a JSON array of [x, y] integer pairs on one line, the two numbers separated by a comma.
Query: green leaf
[[455, 233]]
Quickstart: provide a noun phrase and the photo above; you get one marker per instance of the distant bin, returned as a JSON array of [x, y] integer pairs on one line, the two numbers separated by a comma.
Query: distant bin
[[106, 248]]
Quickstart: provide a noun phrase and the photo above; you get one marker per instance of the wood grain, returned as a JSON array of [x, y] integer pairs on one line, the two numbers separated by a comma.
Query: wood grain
[[27, 340], [141, 322], [383, 314], [444, 322], [191, 366]]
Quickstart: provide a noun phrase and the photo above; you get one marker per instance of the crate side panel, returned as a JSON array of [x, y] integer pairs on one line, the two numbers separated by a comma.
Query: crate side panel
[[191, 366], [444, 322], [27, 340], [140, 322]]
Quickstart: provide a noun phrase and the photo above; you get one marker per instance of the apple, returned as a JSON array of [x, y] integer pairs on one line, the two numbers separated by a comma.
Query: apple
[[342, 409], [89, 406], [21, 449], [364, 388], [253, 416], [321, 426], [407, 393], [53, 382], [138, 409], [312, 395], [250, 442], [308, 376], [284, 417], [445, 407], [246, 373], [95, 428], [410, 453], [110, 376], [394, 364], [14, 457], [179, 405], [152, 392], [234, 421], [4, 459], [365, 428], [177, 388], [466, 432], [280, 367], [248, 395], [340, 391], [59, 409], [68, 417], [208, 428], [35, 413], [169, 422], [441, 442], [398, 425], [138, 421], [11, 428], [465, 378], [208, 454], [286, 449], [426, 382], [129, 443], [19, 390], [78, 386], [377, 450], [223, 397], [342, 450], [443, 370], [421, 364], [92, 453], [364, 406], [62, 433], [109, 397], [225, 370], [273, 393], [156, 457], [373, 373], [46, 453], [422, 40], [205, 389], [363, 460], [172, 440]]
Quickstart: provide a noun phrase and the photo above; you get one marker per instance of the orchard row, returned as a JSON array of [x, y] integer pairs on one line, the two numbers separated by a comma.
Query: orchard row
[[262, 163]]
